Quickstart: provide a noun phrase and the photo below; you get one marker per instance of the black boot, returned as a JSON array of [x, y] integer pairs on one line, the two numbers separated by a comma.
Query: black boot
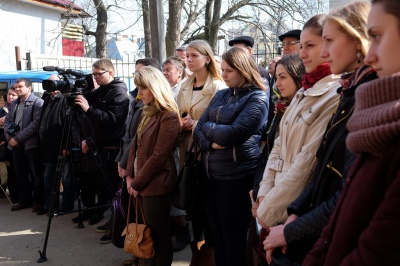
[[182, 237]]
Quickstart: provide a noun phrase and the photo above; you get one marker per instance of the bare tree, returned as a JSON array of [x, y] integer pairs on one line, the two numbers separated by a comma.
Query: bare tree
[[146, 28]]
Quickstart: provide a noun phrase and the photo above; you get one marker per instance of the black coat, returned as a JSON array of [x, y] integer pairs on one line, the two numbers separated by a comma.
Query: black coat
[[107, 113], [235, 119], [132, 121], [51, 127]]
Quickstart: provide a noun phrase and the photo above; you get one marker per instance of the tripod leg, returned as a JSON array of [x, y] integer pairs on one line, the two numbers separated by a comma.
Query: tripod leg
[[54, 200]]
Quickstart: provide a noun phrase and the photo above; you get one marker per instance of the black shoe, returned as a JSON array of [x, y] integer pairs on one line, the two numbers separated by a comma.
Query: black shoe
[[42, 211], [96, 218], [104, 228], [182, 238], [106, 238], [19, 206], [85, 215], [37, 207]]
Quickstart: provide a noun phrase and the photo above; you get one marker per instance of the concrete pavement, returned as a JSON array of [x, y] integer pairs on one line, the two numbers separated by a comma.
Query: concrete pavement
[[22, 234]]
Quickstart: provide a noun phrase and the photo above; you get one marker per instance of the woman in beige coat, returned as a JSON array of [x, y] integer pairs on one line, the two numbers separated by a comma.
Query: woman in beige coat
[[193, 99], [292, 159]]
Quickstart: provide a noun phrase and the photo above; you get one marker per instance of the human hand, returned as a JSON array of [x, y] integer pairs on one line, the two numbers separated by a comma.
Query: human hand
[[85, 147], [274, 239], [187, 123], [216, 146], [2, 120], [13, 142], [82, 102], [121, 171], [291, 218]]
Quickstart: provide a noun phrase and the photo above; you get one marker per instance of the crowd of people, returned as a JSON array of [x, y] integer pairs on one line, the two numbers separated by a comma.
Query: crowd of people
[[297, 165]]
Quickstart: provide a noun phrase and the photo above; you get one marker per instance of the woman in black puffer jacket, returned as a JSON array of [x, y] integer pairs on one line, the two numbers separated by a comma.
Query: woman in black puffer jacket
[[228, 134]]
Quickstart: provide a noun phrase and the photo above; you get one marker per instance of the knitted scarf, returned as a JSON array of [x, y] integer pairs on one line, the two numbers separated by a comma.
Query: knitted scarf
[[352, 79], [309, 79], [147, 113], [375, 124], [282, 104]]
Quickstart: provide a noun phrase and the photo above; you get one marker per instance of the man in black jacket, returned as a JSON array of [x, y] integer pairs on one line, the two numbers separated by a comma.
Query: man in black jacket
[[106, 108]]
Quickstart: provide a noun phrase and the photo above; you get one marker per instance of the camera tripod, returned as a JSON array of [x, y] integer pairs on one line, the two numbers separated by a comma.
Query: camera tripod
[[74, 117]]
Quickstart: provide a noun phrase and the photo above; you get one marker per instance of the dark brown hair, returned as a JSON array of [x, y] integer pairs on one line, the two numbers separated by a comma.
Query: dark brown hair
[[391, 7], [240, 60], [315, 24], [295, 68]]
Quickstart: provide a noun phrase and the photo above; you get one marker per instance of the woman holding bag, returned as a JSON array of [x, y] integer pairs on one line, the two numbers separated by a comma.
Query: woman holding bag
[[151, 171]]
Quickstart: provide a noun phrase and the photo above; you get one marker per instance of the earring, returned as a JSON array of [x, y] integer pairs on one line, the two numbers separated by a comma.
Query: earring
[[358, 57], [207, 64]]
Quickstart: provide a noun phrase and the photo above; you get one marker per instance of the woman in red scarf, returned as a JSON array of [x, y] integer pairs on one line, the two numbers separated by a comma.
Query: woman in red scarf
[[292, 160], [344, 49]]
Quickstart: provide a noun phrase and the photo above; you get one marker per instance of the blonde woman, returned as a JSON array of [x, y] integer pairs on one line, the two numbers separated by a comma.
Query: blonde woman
[[151, 171], [193, 99]]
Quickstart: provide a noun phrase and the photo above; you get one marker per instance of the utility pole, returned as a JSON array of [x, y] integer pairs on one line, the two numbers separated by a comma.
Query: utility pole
[[157, 29]]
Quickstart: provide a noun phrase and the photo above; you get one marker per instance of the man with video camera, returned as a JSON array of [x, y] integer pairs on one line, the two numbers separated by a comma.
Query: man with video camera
[[21, 129], [106, 108]]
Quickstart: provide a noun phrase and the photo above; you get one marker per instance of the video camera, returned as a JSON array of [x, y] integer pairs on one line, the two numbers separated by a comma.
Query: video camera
[[75, 81]]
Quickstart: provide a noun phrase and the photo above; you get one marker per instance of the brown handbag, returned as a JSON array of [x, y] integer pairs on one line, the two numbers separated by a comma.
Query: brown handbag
[[138, 239]]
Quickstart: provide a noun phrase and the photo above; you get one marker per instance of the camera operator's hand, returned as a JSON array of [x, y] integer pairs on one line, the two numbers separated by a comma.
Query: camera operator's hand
[[13, 142], [85, 147], [82, 102]]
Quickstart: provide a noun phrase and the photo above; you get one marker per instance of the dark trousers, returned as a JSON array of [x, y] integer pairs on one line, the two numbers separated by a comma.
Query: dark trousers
[[68, 181], [12, 181], [228, 209], [27, 165], [200, 225], [94, 181], [156, 212], [49, 179]]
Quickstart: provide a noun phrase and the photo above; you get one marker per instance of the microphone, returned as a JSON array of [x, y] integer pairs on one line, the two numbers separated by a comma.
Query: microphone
[[73, 72], [51, 68]]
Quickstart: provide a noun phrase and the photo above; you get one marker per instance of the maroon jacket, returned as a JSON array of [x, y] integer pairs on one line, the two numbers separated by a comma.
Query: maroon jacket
[[156, 171], [364, 229]]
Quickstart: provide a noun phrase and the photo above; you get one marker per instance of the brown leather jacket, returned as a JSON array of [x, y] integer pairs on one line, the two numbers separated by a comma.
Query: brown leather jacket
[[156, 171]]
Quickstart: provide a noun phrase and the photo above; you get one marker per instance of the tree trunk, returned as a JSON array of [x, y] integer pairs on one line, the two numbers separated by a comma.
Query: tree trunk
[[146, 28], [214, 26], [173, 36], [207, 19], [101, 29]]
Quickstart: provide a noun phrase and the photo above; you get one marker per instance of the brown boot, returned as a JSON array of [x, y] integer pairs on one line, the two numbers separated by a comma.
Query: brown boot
[[206, 256], [147, 262]]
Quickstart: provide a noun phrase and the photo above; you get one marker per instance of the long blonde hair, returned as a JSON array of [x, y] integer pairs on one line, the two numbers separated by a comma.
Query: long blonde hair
[[204, 48], [151, 78], [352, 20]]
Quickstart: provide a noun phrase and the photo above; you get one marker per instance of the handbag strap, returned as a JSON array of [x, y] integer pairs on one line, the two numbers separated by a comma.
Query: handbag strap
[[129, 214], [192, 149], [137, 203]]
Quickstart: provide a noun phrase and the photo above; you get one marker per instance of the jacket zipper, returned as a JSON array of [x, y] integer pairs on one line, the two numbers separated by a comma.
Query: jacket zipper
[[329, 165]]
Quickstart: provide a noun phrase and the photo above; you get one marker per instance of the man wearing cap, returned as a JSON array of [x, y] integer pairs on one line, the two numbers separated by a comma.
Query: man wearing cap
[[290, 42], [246, 43]]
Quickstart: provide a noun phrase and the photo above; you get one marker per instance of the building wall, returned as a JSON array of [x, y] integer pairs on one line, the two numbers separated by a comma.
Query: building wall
[[32, 28]]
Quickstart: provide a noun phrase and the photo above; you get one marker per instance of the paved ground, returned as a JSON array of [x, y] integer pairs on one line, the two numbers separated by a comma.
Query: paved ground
[[22, 234]]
